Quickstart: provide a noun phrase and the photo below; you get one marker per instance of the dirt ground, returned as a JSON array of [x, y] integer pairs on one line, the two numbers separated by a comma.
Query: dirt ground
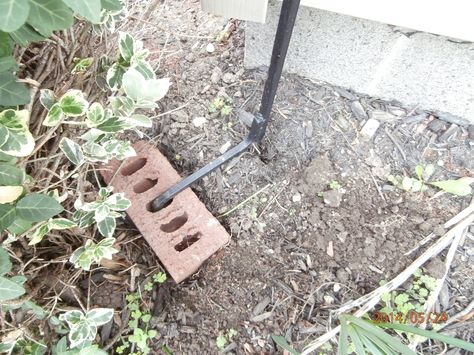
[[299, 248]]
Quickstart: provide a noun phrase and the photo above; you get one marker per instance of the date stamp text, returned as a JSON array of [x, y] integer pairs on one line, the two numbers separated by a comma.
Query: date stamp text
[[411, 317]]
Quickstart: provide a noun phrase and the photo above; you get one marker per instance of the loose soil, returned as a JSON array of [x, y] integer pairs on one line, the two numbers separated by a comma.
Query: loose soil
[[299, 248]]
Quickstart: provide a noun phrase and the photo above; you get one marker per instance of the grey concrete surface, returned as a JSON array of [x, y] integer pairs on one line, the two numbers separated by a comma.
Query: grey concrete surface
[[415, 68]]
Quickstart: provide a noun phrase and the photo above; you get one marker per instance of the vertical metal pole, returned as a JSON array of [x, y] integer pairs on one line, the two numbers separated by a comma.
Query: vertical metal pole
[[289, 10]]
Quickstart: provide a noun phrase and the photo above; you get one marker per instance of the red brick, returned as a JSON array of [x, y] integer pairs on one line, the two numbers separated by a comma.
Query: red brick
[[183, 234]]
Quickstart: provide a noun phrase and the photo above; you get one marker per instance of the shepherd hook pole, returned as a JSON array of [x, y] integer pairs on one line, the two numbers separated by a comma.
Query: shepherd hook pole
[[289, 10]]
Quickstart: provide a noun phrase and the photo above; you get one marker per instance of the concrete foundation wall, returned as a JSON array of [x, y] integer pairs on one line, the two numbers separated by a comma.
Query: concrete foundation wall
[[418, 69]]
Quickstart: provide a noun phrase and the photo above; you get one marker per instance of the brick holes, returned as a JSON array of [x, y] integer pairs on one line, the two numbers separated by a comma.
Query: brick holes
[[134, 166], [175, 224], [183, 234], [188, 241], [144, 185], [149, 206]]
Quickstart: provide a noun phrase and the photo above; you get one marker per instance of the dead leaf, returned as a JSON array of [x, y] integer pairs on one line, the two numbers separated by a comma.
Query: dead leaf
[[113, 264], [111, 277]]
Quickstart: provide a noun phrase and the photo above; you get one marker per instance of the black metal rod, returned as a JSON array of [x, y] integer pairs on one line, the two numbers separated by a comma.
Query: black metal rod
[[286, 23], [161, 200], [289, 10]]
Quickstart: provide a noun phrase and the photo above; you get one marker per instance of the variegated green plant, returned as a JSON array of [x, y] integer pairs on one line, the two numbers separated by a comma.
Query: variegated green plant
[[83, 326], [15, 138], [91, 253], [26, 21], [134, 83], [104, 213]]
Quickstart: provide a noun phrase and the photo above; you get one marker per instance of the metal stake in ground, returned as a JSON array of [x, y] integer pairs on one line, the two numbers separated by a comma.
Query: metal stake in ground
[[289, 10]]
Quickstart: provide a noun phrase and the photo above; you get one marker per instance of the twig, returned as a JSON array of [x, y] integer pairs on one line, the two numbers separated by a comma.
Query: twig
[[377, 187], [171, 111], [271, 201], [245, 201], [116, 172], [392, 138]]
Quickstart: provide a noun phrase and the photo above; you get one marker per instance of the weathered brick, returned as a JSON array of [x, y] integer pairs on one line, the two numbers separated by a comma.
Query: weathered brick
[[184, 233]]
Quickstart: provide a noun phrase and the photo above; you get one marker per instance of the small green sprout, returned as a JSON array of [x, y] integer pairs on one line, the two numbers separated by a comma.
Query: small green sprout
[[221, 104], [221, 342], [334, 185], [419, 183], [81, 65], [223, 339], [140, 335], [159, 277]]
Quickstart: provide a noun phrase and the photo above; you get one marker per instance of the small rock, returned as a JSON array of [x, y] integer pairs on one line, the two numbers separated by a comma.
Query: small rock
[[308, 128], [260, 307], [210, 48], [381, 172], [189, 57], [247, 224], [439, 230], [199, 121], [245, 117], [318, 174], [336, 288], [328, 299], [358, 110], [435, 268], [342, 275], [425, 227], [332, 198], [261, 317], [370, 251], [346, 94], [388, 188], [373, 159], [238, 93], [370, 128], [296, 197], [225, 147], [437, 125], [470, 129], [216, 76], [382, 116], [417, 219], [228, 78], [398, 111], [330, 249]]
